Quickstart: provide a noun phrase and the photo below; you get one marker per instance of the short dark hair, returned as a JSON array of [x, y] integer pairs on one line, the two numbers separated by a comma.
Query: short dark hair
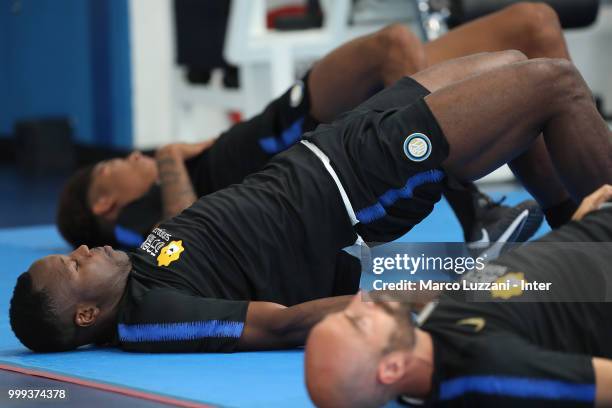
[[34, 320], [75, 220]]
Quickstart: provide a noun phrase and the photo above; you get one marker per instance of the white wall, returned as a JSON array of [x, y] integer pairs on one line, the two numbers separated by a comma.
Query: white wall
[[157, 118], [152, 43], [591, 49]]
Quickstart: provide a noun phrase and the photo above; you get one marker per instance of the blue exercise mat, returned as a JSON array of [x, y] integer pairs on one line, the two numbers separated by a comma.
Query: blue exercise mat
[[259, 379]]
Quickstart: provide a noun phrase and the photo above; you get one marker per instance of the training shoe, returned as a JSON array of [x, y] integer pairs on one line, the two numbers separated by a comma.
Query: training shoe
[[497, 223]]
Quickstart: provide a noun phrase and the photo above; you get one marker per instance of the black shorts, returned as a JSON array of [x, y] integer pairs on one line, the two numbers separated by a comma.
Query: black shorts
[[247, 146], [387, 154], [286, 224]]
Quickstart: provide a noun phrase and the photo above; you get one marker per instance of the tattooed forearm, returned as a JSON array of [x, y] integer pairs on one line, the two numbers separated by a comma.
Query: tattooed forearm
[[177, 191]]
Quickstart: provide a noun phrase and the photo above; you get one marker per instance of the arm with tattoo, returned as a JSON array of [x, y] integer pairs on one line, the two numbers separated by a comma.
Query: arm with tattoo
[[176, 187]]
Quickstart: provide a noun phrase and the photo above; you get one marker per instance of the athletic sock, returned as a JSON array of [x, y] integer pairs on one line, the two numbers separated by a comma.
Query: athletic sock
[[460, 197], [561, 213]]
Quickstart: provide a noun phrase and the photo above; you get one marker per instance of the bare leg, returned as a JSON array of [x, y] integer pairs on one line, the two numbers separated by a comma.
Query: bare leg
[[535, 162], [448, 72], [359, 68], [535, 168], [496, 117], [355, 71], [532, 28]]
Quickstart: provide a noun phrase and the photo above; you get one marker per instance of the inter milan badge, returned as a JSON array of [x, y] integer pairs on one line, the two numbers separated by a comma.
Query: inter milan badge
[[417, 147], [297, 94]]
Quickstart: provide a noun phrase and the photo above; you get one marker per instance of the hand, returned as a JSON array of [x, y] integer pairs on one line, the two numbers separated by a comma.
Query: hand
[[185, 151], [593, 201]]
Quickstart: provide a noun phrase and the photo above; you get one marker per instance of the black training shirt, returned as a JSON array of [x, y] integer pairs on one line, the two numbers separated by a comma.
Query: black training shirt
[[509, 353], [275, 238]]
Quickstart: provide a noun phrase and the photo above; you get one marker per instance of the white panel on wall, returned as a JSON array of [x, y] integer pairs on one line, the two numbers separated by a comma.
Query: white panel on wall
[[152, 39], [591, 50]]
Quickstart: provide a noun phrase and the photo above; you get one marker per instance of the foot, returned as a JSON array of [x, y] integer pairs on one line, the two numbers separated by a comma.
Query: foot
[[500, 223]]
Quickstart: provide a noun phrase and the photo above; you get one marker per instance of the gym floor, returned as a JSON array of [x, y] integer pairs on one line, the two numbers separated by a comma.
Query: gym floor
[[103, 377]]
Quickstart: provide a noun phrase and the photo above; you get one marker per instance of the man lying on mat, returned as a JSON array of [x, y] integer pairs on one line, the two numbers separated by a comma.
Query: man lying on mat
[[118, 201], [245, 268], [506, 348]]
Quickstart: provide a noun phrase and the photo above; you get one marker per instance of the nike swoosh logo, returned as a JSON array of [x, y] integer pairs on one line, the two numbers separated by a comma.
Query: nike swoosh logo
[[478, 322], [517, 224], [495, 250], [482, 242]]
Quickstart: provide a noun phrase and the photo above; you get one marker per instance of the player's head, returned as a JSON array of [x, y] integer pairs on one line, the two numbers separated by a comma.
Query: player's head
[[94, 196], [357, 357], [65, 301]]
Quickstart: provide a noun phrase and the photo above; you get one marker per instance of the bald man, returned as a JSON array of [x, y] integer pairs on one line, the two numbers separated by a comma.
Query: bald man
[[526, 350]]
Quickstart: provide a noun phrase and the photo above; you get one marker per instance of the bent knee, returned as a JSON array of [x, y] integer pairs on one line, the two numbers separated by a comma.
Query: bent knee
[[397, 35], [560, 78], [554, 68], [400, 43], [510, 56], [492, 60], [537, 14], [538, 21]]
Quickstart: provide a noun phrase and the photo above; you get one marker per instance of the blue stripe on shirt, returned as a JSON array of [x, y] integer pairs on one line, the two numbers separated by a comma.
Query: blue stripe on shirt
[[179, 331], [517, 387]]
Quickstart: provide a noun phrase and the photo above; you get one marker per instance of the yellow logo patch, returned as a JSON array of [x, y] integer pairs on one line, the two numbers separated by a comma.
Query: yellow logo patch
[[514, 283], [170, 253]]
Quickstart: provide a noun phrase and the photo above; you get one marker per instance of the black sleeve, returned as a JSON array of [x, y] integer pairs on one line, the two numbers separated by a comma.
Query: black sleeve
[[248, 146], [511, 372], [168, 321], [596, 226], [347, 274]]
